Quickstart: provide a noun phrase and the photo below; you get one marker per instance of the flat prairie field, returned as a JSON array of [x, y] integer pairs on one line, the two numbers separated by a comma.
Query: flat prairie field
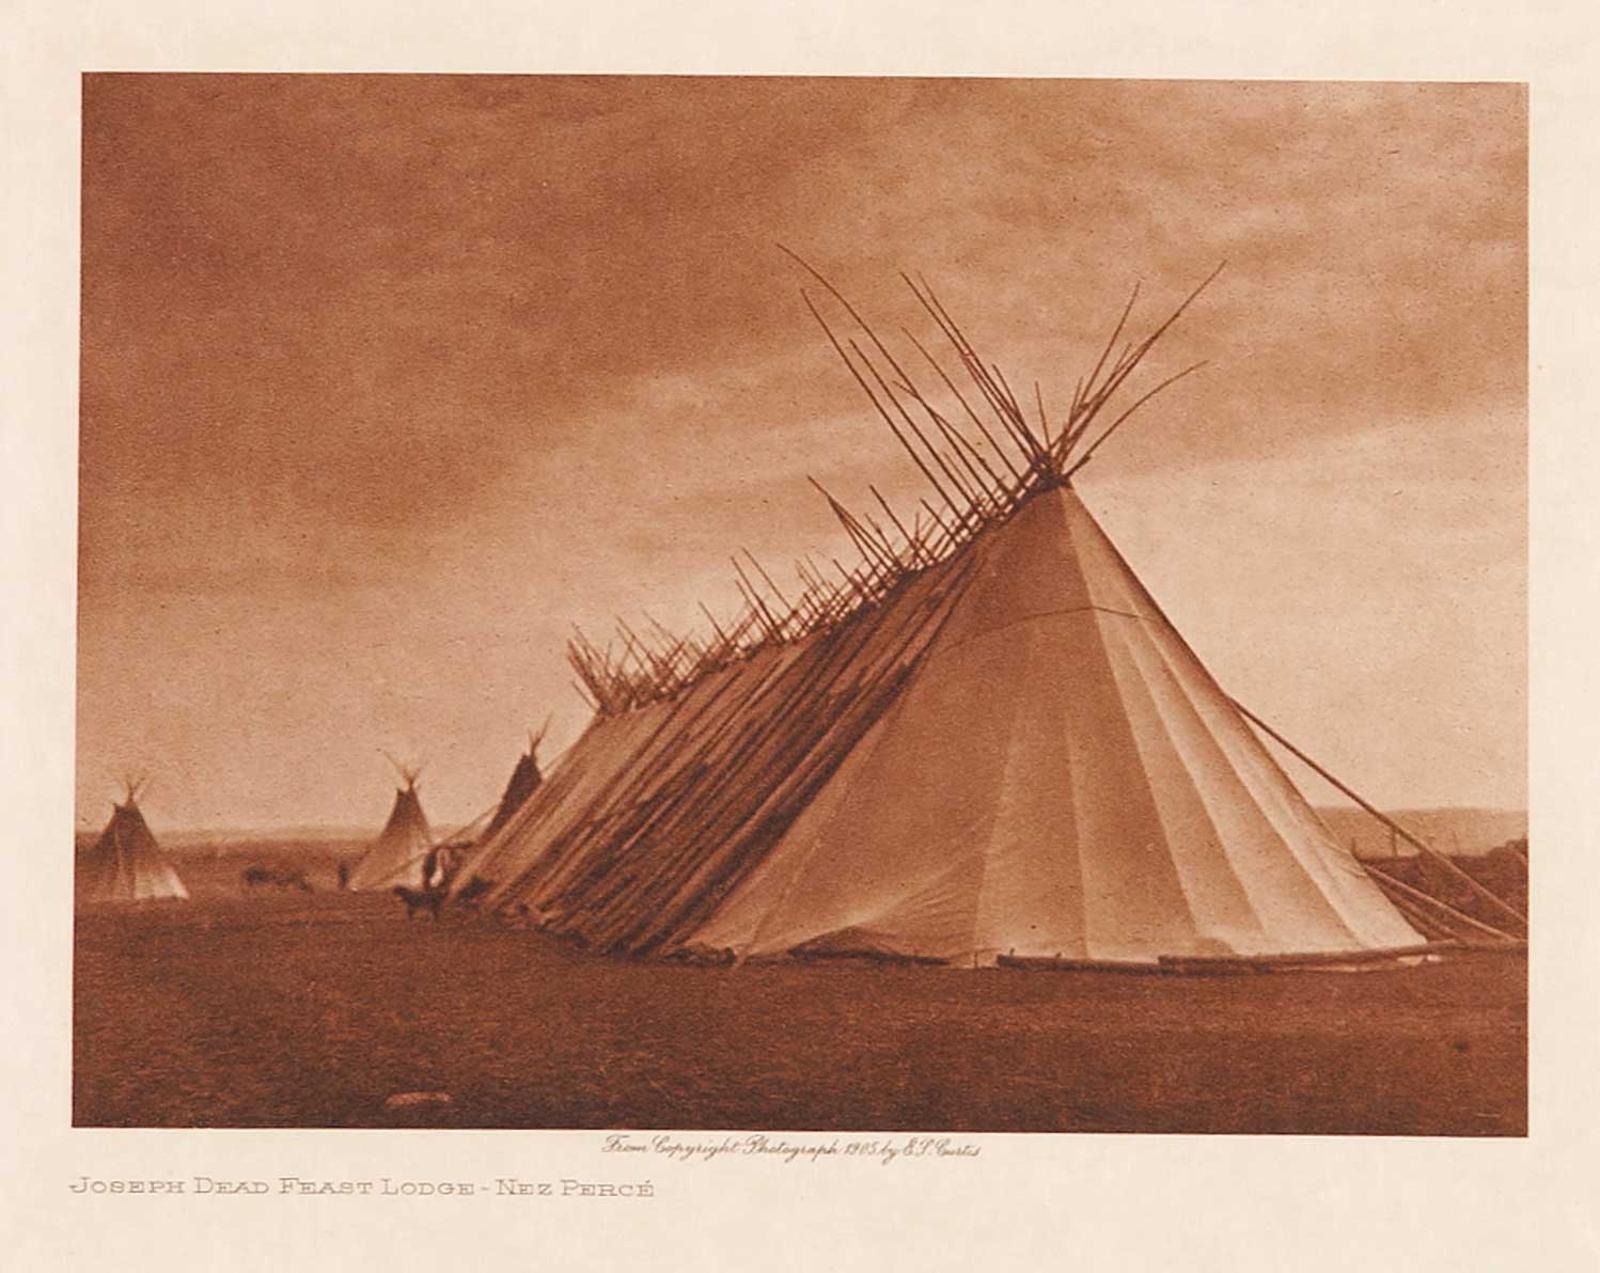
[[283, 1008]]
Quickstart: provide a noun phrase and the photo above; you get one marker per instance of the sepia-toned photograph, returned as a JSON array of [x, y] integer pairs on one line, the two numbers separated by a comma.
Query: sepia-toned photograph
[[914, 605]]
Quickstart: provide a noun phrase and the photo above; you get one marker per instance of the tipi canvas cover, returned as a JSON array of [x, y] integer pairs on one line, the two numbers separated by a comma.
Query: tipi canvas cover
[[1015, 754], [1061, 777], [399, 856], [126, 865]]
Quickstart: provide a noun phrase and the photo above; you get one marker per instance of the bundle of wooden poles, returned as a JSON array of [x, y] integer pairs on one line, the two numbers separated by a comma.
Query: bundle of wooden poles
[[979, 451], [724, 770]]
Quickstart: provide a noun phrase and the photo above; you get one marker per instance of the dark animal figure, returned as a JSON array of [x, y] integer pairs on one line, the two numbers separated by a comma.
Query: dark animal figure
[[418, 899], [282, 878]]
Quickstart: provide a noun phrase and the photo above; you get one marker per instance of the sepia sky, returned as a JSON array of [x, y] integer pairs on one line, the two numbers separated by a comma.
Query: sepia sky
[[388, 380]]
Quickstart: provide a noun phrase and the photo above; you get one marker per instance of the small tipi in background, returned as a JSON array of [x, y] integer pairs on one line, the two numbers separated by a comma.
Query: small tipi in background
[[525, 780], [126, 863], [400, 853]]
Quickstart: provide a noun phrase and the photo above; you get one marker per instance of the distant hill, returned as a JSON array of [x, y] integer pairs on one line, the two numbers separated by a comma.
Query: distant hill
[[1459, 832], [1467, 832], [270, 835], [288, 840]]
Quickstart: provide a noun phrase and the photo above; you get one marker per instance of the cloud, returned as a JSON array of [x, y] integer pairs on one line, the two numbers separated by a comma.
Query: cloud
[[431, 365]]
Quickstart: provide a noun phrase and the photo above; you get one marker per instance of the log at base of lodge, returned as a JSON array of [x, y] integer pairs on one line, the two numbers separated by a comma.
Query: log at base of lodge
[[985, 738], [1244, 965], [1375, 960]]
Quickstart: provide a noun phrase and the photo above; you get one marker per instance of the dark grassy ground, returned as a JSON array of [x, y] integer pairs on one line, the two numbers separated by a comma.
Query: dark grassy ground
[[296, 1010]]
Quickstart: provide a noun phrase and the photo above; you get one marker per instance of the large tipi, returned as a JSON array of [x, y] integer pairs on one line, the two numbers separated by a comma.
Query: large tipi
[[126, 864], [401, 853], [989, 745]]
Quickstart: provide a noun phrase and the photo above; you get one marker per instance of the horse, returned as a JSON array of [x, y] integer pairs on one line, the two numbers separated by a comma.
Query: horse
[[420, 899], [281, 877]]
